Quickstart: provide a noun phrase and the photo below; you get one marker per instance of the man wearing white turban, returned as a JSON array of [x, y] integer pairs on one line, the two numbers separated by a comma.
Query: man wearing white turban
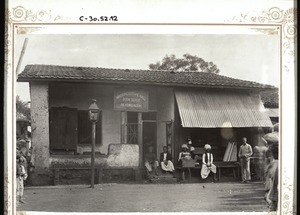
[[184, 154], [207, 163]]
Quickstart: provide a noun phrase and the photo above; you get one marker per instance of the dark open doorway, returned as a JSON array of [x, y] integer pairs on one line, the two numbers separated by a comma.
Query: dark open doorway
[[149, 132]]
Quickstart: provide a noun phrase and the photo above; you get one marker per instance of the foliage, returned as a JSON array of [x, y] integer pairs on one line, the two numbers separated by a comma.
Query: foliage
[[22, 108], [188, 63]]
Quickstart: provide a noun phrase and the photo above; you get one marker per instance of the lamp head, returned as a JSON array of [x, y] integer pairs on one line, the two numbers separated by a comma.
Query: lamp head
[[93, 111]]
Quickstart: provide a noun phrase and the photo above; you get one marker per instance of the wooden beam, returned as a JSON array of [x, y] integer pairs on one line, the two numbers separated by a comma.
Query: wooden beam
[[123, 127], [140, 138]]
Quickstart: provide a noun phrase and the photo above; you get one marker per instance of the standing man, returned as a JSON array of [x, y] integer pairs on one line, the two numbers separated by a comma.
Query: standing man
[[271, 183], [259, 154], [244, 154]]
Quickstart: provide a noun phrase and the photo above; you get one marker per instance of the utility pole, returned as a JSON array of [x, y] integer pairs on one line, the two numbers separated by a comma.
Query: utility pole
[[21, 56], [93, 115]]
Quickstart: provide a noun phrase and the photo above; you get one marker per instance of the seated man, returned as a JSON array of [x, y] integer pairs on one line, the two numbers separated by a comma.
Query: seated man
[[151, 162], [165, 161], [208, 168], [184, 154]]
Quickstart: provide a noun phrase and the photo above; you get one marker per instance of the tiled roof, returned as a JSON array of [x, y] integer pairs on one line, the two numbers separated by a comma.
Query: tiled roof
[[68, 73], [270, 98]]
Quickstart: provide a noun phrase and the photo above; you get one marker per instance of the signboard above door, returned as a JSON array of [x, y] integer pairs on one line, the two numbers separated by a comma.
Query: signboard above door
[[131, 100]]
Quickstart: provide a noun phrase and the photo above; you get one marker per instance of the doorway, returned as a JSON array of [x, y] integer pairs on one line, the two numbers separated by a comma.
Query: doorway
[[149, 132], [140, 128], [149, 137]]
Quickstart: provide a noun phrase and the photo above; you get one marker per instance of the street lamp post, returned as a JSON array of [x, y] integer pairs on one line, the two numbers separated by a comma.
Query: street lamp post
[[93, 115]]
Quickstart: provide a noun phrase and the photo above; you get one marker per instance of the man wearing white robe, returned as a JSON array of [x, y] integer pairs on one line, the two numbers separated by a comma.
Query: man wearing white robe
[[207, 163], [165, 161]]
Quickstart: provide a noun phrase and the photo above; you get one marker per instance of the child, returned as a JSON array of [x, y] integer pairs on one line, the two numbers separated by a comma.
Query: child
[[21, 176]]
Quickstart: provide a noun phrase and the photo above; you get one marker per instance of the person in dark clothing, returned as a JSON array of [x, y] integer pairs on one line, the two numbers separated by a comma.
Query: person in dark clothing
[[166, 161], [191, 148]]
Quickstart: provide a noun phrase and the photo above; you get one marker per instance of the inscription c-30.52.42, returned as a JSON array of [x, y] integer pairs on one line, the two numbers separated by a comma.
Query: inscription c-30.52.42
[[98, 19]]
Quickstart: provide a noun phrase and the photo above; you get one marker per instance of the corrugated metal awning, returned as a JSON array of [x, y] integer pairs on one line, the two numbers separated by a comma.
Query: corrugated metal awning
[[221, 109], [273, 112]]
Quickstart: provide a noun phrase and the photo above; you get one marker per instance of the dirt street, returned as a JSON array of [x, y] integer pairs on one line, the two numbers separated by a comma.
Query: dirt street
[[195, 197]]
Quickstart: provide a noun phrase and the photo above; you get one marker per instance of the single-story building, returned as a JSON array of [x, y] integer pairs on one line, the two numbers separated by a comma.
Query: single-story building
[[270, 99], [139, 108]]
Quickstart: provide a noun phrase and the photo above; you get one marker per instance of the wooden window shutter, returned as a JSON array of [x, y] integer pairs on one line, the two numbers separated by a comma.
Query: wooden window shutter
[[63, 128]]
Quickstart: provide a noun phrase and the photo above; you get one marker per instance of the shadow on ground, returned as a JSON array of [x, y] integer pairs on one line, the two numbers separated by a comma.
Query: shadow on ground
[[250, 194]]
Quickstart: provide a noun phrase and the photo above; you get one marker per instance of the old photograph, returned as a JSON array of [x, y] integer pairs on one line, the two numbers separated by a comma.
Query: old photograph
[[147, 122]]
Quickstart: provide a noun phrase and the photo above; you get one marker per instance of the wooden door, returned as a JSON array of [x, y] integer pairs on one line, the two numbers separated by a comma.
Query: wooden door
[[63, 128]]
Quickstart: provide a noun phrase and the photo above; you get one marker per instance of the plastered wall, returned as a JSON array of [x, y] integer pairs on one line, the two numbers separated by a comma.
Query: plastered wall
[[80, 96], [165, 105], [40, 124], [44, 96]]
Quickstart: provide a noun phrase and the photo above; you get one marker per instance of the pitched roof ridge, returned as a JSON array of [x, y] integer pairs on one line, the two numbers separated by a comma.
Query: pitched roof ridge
[[254, 82], [144, 70], [89, 67], [36, 71]]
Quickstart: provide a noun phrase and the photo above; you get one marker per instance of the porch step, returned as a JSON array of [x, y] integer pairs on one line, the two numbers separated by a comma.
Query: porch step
[[164, 180], [167, 175]]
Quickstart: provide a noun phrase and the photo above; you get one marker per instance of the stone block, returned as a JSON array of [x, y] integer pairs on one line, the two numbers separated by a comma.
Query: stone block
[[123, 155]]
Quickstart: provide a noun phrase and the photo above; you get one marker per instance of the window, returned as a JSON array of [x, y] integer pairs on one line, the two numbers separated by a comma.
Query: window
[[85, 128], [70, 128], [63, 129], [132, 127]]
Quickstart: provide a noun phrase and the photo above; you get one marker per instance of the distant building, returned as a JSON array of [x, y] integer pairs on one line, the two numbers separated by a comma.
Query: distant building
[[270, 100], [139, 108], [22, 126]]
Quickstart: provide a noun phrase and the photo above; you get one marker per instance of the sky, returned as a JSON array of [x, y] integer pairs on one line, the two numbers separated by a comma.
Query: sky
[[247, 57]]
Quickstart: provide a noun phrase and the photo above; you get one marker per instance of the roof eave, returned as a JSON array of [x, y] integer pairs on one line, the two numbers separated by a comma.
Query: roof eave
[[30, 79]]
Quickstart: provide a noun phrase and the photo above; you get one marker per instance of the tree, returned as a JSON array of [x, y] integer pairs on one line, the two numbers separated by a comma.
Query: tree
[[22, 108], [188, 63]]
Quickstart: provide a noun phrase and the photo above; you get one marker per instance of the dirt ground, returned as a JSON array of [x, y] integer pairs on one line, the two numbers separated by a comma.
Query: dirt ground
[[189, 197]]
